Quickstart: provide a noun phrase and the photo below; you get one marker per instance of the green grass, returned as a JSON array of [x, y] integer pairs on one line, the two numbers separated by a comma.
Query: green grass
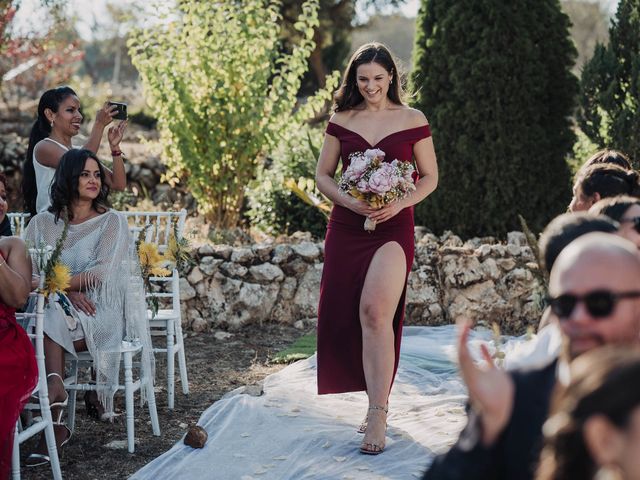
[[302, 348]]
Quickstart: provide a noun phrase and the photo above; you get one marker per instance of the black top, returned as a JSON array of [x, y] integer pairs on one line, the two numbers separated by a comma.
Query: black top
[[5, 227], [515, 455]]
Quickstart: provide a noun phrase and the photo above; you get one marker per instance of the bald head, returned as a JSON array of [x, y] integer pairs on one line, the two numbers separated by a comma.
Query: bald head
[[610, 252], [596, 285]]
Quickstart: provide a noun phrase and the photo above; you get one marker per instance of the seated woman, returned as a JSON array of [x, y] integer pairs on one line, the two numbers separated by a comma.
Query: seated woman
[[626, 211], [593, 431], [106, 296], [602, 180], [18, 369], [59, 120]]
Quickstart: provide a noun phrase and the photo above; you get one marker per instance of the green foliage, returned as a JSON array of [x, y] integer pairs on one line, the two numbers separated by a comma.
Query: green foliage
[[223, 93], [494, 80], [302, 348], [610, 86], [274, 208]]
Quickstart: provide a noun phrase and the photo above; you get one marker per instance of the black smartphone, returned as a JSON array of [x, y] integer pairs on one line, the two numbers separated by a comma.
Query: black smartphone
[[121, 110]]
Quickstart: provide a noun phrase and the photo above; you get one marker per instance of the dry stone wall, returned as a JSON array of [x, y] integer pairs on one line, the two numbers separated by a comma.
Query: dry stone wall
[[480, 279]]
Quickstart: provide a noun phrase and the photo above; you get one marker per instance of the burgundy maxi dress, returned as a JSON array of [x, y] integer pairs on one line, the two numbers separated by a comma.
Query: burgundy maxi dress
[[18, 378], [348, 253]]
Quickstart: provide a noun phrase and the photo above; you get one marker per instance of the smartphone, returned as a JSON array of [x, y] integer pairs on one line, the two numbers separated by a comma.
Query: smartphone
[[121, 110]]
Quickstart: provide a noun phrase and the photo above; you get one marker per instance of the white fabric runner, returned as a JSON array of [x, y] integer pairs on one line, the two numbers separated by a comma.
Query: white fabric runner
[[292, 433]]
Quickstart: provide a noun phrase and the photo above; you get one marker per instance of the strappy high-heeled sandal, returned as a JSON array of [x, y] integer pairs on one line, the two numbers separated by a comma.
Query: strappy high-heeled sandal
[[65, 402], [362, 428], [369, 448]]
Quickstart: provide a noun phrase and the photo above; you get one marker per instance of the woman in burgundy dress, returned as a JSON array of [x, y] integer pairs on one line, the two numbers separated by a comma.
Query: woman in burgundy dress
[[362, 291], [18, 370]]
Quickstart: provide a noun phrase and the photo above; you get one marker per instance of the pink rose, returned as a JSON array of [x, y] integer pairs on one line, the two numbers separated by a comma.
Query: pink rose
[[373, 153], [357, 167], [362, 186], [380, 181]]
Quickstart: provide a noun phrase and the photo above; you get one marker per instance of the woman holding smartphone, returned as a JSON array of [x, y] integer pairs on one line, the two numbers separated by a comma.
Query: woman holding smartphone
[[59, 120]]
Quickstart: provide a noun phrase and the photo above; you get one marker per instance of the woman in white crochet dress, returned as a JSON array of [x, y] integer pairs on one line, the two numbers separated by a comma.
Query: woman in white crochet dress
[[105, 299]]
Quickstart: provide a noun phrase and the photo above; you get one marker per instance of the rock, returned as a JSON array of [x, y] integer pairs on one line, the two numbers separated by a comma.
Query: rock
[[281, 254], [296, 267], [233, 269], [222, 251], [514, 250], [253, 390], [288, 288], [242, 255], [266, 272], [253, 303], [262, 251], [222, 335], [209, 265], [506, 264], [518, 239], [195, 276], [448, 239], [308, 293], [307, 250], [299, 325], [187, 292], [483, 251], [196, 437], [298, 237], [199, 325], [490, 269], [206, 250], [461, 270]]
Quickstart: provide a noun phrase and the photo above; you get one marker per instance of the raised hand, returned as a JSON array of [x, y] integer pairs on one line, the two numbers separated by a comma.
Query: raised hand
[[81, 302], [116, 133], [491, 390], [104, 116]]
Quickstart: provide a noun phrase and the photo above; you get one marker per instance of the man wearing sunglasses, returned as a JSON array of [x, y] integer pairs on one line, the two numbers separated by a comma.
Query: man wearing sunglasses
[[595, 296]]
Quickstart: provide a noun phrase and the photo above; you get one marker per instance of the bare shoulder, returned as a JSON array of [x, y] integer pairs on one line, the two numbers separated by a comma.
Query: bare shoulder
[[11, 245], [48, 153], [341, 118], [414, 118]]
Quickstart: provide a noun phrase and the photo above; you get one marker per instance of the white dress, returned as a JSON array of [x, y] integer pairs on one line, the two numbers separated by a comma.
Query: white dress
[[100, 248], [44, 177]]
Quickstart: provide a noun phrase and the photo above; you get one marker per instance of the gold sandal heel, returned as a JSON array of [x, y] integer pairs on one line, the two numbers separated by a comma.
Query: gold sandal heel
[[369, 448]]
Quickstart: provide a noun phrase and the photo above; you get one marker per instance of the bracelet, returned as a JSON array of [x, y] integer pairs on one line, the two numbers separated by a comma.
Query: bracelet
[[3, 263], [116, 153]]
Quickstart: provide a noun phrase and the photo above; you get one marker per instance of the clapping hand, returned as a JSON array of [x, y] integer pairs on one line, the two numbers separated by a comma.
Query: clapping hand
[[491, 390], [115, 134]]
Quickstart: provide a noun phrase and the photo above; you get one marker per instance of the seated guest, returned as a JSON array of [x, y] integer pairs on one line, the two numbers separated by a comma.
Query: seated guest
[[606, 155], [104, 302], [626, 211], [602, 181], [18, 369], [59, 120], [593, 431], [589, 284], [5, 223]]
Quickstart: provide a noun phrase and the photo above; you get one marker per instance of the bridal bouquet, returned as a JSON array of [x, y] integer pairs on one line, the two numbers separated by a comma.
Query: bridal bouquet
[[368, 177]]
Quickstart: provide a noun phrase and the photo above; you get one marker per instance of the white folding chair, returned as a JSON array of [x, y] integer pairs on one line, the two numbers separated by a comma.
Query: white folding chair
[[45, 421], [128, 351], [167, 321], [18, 220]]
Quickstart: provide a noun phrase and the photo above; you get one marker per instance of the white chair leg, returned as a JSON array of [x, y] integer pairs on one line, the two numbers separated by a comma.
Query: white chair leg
[[171, 365], [182, 362], [73, 394], [15, 455], [151, 404], [128, 393], [49, 434]]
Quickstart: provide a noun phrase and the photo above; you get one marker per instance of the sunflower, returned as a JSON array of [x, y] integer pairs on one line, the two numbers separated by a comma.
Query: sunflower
[[57, 280]]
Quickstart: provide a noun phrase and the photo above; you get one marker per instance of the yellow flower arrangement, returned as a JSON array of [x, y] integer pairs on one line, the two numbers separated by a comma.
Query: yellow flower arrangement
[[57, 280]]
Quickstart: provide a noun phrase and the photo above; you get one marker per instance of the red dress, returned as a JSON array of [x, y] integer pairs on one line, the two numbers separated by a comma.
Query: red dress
[[348, 252], [18, 378]]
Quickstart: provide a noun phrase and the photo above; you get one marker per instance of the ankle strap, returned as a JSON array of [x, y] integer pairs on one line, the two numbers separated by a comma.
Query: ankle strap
[[378, 407]]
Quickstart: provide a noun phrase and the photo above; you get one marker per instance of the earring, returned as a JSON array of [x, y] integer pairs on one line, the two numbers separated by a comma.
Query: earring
[[390, 81], [51, 123], [607, 472]]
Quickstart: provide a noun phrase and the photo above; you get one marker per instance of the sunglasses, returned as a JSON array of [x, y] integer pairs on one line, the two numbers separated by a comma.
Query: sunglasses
[[635, 221], [599, 303]]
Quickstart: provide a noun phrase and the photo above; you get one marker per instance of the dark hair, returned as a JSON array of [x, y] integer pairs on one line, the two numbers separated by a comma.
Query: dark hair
[[3, 179], [41, 129], [613, 157], [348, 95], [565, 228], [604, 381], [607, 180], [64, 188], [614, 207]]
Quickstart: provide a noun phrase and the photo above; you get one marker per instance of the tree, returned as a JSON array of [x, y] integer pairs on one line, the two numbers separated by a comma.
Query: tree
[[494, 80], [223, 93], [610, 86]]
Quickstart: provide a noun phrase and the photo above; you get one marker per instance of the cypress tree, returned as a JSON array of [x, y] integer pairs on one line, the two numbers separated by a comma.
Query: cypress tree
[[494, 80], [610, 86]]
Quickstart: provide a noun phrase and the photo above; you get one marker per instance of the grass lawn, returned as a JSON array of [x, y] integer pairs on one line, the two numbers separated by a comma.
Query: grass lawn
[[302, 348]]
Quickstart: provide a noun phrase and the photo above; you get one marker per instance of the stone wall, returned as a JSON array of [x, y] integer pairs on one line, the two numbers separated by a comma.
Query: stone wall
[[481, 279]]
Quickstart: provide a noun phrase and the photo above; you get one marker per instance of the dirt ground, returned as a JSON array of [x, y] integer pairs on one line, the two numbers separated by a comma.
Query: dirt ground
[[214, 366]]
